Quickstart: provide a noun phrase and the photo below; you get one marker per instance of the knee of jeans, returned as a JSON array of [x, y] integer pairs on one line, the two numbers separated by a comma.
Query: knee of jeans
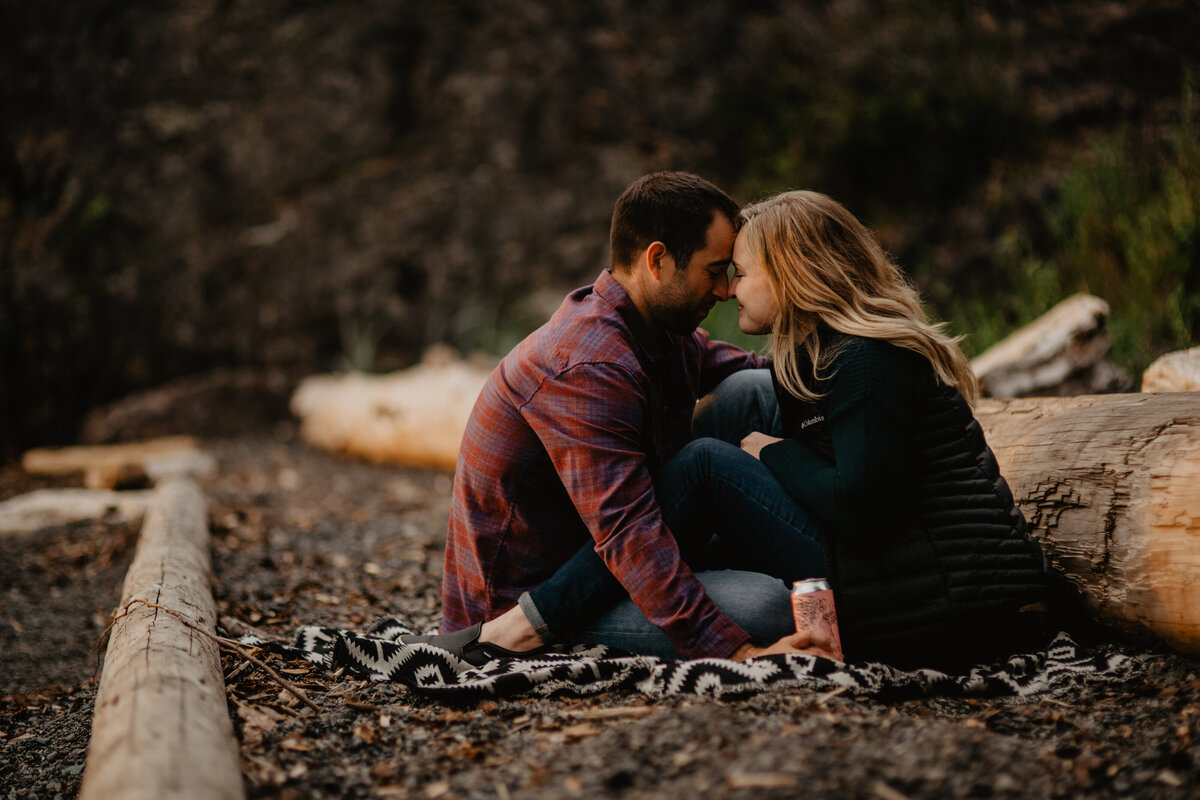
[[760, 604], [701, 451], [693, 466], [746, 380], [743, 401]]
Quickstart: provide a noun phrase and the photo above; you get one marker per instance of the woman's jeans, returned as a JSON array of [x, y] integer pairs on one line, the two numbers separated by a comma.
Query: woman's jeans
[[724, 507]]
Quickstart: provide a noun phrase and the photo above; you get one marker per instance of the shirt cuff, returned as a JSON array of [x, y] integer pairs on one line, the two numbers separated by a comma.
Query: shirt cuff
[[720, 639]]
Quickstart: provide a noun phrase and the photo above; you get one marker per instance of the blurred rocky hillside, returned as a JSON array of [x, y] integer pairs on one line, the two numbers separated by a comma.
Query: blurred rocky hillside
[[296, 186]]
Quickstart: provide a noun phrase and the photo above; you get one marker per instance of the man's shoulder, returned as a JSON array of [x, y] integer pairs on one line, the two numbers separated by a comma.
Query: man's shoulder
[[586, 329], [585, 334]]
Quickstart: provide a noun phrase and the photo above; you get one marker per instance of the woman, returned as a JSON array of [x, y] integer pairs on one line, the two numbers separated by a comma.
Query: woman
[[927, 553], [864, 447]]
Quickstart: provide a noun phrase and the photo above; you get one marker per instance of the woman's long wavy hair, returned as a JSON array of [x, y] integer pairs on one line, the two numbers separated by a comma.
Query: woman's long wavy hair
[[824, 266]]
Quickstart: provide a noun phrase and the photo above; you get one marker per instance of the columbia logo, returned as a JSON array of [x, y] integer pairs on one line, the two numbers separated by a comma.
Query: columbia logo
[[813, 421]]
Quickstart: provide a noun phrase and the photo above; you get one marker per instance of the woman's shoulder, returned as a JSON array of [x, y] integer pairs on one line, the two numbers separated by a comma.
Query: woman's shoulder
[[879, 368], [877, 353]]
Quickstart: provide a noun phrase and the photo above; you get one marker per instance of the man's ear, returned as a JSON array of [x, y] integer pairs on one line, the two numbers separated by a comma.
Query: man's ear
[[656, 258]]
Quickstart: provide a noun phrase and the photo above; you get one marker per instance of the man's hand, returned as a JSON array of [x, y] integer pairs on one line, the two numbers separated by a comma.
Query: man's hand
[[810, 642], [756, 441]]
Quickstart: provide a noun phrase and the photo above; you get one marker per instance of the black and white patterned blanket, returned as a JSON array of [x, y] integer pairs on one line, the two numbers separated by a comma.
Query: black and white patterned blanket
[[377, 655]]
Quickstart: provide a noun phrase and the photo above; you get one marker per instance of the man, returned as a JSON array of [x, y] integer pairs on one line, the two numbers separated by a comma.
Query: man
[[566, 435]]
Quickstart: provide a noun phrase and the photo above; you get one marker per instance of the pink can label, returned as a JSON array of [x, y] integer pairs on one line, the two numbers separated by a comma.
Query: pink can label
[[812, 607]]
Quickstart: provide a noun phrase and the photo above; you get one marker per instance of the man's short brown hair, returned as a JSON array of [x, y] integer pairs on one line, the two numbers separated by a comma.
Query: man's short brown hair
[[674, 208]]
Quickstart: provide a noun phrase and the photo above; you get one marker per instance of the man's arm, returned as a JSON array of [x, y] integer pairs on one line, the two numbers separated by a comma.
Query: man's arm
[[591, 420]]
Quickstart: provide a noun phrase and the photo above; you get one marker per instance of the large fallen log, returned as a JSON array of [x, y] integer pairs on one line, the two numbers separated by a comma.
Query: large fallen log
[[414, 416], [162, 728], [1111, 487]]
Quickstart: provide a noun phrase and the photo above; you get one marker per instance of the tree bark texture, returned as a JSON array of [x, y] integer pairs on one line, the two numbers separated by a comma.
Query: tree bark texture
[[1110, 485], [162, 729]]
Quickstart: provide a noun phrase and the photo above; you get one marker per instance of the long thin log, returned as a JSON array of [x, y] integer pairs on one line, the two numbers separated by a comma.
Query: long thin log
[[43, 508], [67, 460], [1111, 487], [162, 728]]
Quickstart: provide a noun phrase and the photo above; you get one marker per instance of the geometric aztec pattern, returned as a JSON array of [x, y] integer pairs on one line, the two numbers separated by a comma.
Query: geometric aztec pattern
[[376, 654]]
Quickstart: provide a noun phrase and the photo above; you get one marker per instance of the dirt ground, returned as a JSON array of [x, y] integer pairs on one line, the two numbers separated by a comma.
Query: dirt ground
[[304, 537]]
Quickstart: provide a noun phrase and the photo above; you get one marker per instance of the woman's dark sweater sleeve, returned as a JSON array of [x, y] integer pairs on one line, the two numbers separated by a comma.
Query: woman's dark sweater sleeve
[[869, 404]]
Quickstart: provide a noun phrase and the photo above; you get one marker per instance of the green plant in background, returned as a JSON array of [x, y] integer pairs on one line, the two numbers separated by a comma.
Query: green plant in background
[[721, 323], [1128, 230], [896, 109], [983, 315], [1124, 225], [360, 337]]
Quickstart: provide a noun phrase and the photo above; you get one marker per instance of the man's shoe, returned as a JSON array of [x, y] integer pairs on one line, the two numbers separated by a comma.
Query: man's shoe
[[465, 646]]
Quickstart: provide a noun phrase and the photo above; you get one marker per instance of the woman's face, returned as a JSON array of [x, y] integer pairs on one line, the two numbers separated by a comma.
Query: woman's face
[[757, 309]]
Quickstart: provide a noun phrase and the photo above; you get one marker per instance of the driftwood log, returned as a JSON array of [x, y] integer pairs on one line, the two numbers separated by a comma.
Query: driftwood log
[[162, 728], [111, 466], [1063, 352], [1111, 487], [1174, 372], [43, 508], [414, 416]]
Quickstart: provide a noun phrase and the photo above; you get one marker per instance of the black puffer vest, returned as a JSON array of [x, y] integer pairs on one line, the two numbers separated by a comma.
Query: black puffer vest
[[945, 586]]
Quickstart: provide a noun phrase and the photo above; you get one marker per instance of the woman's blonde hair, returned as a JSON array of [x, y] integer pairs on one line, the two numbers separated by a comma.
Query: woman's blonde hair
[[824, 266]]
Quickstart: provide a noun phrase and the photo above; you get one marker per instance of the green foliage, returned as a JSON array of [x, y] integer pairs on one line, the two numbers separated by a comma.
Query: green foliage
[[1129, 231], [360, 343], [894, 108], [1124, 225], [722, 323], [96, 210]]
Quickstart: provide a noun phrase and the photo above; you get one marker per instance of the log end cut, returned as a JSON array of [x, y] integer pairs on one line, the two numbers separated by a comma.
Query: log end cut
[[1110, 485]]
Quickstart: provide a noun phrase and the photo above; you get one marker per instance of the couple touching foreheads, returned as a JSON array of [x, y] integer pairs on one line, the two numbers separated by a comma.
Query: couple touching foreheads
[[624, 480]]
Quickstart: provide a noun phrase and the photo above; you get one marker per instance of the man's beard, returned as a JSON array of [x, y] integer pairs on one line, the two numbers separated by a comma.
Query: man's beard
[[675, 311]]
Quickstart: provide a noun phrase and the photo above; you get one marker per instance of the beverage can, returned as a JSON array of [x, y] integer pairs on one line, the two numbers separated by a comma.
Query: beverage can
[[812, 608]]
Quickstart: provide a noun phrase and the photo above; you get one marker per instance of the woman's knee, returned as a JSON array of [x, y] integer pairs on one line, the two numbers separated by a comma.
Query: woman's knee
[[693, 468], [742, 402], [745, 380], [704, 451]]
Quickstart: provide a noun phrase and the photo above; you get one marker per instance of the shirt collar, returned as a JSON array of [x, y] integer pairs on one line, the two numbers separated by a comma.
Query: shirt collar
[[652, 347]]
